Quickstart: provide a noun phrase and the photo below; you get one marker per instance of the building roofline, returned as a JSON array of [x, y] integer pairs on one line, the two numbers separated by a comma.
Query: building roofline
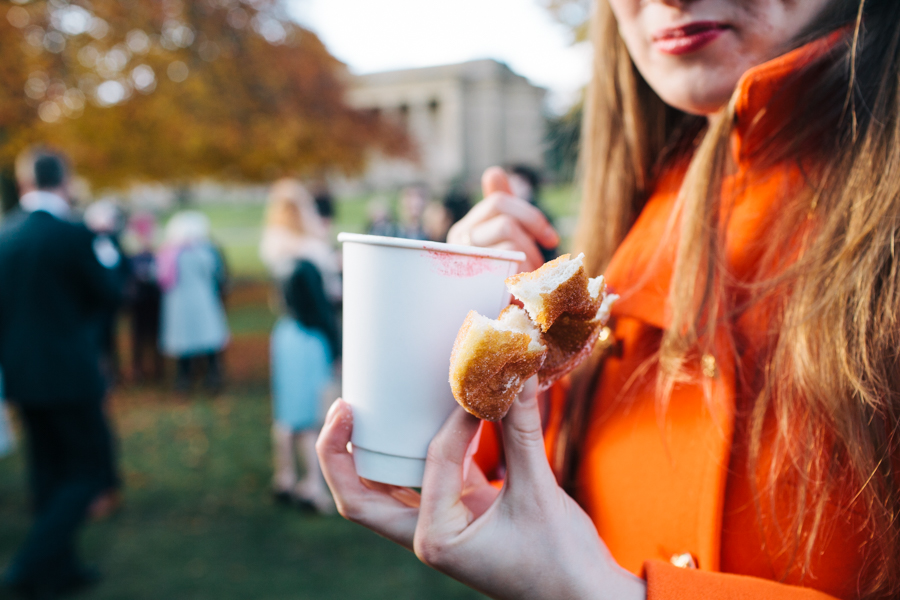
[[473, 70]]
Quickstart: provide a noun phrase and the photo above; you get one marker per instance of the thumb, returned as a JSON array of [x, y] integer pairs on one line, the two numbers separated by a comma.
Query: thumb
[[523, 440], [494, 180]]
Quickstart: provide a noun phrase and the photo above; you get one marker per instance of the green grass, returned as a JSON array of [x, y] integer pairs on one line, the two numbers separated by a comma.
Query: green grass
[[198, 522], [251, 319]]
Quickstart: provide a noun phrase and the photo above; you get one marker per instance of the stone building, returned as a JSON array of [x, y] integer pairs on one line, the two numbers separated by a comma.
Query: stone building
[[462, 118]]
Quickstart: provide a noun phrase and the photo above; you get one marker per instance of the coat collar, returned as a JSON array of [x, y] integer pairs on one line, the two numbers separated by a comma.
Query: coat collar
[[641, 269], [47, 202]]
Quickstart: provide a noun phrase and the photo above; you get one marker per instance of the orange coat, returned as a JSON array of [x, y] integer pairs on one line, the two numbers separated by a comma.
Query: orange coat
[[660, 491]]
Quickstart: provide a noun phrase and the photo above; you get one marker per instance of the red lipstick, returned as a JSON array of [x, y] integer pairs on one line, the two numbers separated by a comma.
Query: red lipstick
[[688, 38]]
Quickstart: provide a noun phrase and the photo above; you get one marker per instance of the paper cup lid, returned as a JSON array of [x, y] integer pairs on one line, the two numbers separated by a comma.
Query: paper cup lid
[[377, 240]]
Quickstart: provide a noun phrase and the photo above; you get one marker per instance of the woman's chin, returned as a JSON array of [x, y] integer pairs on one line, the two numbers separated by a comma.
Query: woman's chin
[[687, 95], [702, 105]]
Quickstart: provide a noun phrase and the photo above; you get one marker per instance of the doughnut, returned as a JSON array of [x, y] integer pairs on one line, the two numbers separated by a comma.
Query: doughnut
[[562, 316], [570, 341], [492, 359], [559, 286]]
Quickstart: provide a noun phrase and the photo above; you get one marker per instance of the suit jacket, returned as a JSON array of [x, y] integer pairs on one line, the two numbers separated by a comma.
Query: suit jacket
[[53, 291]]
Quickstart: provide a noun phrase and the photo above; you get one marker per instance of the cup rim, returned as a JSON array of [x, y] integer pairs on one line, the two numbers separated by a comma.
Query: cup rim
[[378, 240]]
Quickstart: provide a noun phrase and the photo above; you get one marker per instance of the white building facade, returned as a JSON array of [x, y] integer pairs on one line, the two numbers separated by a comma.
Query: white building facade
[[461, 118]]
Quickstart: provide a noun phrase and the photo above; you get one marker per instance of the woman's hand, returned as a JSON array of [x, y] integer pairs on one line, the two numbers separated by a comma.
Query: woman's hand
[[528, 540], [504, 221]]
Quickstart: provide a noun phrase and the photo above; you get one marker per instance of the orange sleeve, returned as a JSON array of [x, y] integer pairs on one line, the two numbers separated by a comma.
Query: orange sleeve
[[667, 582], [489, 456]]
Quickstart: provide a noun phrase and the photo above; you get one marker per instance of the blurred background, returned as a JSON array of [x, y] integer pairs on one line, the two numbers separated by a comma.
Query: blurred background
[[387, 112]]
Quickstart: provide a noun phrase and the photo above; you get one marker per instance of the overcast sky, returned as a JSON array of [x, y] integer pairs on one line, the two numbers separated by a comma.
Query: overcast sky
[[381, 35]]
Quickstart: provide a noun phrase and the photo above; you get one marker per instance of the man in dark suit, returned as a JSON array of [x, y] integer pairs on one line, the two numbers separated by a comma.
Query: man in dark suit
[[56, 278]]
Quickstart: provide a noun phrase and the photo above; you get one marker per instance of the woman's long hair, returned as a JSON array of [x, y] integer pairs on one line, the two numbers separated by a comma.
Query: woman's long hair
[[829, 374], [292, 208]]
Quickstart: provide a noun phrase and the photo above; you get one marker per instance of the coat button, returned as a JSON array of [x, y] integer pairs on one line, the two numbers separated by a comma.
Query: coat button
[[708, 365], [683, 561]]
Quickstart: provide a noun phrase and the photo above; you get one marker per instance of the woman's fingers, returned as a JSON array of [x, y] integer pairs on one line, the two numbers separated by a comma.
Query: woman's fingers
[[523, 441], [529, 216], [407, 496], [503, 229], [494, 179], [443, 484], [331, 447], [478, 493], [388, 510], [499, 200]]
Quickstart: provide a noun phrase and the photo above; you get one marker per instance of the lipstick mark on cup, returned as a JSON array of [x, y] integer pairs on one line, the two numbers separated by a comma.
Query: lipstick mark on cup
[[458, 265]]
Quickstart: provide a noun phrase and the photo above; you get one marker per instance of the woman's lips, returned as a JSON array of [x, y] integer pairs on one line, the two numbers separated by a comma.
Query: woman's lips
[[688, 38]]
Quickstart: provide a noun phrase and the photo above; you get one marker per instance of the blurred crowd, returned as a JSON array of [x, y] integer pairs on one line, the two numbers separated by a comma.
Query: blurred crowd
[[66, 281], [421, 217]]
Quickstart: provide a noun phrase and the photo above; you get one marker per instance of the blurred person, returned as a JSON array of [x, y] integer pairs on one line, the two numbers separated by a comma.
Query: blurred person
[[145, 298], [413, 200], [381, 220], [458, 203], [325, 207], [525, 183], [191, 275], [57, 278], [436, 221], [305, 341], [439, 217], [105, 218]]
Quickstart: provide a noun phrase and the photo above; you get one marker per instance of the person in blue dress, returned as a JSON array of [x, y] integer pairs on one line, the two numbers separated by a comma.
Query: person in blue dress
[[192, 316], [305, 342]]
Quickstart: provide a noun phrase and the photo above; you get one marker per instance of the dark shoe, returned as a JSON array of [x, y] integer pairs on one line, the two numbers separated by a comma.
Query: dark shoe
[[282, 498], [304, 505], [82, 579]]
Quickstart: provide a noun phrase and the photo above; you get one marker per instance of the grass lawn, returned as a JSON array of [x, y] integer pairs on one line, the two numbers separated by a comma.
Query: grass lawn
[[198, 522]]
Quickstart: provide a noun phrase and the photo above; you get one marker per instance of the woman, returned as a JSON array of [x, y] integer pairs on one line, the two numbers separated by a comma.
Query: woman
[[305, 340], [192, 318], [737, 436]]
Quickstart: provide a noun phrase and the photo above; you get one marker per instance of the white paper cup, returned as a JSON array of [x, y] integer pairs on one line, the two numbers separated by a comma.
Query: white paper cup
[[404, 301]]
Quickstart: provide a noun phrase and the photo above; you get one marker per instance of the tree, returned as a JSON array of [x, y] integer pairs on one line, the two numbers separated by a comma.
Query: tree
[[574, 14], [564, 131], [564, 143], [170, 90]]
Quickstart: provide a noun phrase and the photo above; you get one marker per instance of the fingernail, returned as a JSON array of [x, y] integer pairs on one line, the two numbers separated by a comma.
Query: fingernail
[[330, 414], [551, 233]]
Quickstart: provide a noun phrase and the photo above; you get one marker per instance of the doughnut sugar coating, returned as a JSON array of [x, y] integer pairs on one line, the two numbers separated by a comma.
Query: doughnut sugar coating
[[559, 286], [492, 360]]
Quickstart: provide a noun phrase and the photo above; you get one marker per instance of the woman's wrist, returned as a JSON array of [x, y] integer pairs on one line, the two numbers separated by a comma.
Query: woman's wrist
[[623, 585]]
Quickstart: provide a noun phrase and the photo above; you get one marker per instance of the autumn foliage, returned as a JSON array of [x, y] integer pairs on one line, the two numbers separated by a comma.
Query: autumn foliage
[[169, 90]]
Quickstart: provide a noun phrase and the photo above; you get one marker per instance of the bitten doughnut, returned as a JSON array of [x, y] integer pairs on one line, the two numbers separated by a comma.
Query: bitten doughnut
[[559, 286], [569, 341], [564, 313], [491, 360]]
